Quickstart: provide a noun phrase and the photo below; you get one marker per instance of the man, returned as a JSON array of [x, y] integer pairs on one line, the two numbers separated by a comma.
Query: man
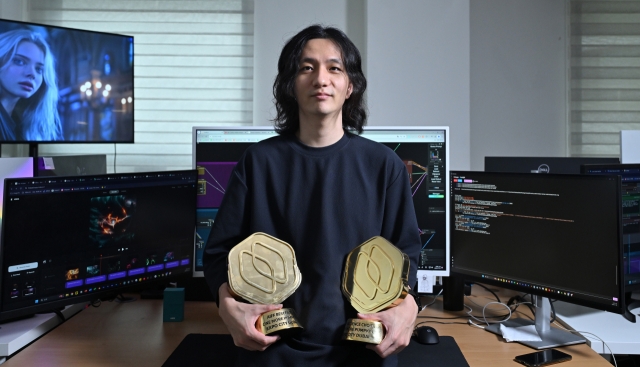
[[324, 190]]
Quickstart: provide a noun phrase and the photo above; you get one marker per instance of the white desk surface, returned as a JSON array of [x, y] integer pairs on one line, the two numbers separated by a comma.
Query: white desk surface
[[16, 334], [622, 336]]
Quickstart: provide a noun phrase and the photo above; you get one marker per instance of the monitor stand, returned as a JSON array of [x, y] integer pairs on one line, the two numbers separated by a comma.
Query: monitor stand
[[551, 337]]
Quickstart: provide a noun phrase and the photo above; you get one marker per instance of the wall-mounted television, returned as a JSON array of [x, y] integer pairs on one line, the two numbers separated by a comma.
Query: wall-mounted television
[[63, 85], [73, 239]]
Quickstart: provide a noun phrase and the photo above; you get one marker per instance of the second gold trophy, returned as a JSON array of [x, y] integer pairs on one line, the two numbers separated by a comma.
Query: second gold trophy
[[375, 278]]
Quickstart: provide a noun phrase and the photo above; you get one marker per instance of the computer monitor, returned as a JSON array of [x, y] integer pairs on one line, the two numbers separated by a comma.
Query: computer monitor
[[72, 165], [552, 236], [11, 168], [542, 164], [425, 151], [67, 240], [216, 151], [630, 187]]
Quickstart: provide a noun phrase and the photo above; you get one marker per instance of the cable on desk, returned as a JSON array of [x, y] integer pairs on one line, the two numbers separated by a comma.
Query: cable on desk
[[533, 311], [432, 301], [604, 344], [96, 303], [492, 292]]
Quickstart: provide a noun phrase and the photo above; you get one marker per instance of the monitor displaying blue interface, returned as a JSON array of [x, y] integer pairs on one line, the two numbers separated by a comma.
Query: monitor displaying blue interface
[[73, 239], [630, 181], [424, 150]]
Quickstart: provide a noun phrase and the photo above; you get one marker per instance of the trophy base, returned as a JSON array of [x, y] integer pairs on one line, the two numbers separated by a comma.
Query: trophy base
[[279, 322], [364, 331]]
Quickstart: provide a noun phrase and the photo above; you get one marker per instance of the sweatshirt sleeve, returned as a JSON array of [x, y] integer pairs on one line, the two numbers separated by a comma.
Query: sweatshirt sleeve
[[229, 228], [400, 225]]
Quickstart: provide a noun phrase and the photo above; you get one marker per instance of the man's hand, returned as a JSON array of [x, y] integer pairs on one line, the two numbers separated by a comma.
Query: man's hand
[[398, 322], [241, 318]]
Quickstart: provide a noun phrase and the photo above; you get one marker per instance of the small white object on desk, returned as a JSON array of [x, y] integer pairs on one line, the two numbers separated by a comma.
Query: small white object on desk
[[526, 333]]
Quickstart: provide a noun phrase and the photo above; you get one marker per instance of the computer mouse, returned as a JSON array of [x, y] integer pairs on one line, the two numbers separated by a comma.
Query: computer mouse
[[427, 335]]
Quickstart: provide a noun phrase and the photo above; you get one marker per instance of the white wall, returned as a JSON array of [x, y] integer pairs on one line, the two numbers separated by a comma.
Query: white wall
[[275, 21], [518, 79], [416, 59], [418, 67]]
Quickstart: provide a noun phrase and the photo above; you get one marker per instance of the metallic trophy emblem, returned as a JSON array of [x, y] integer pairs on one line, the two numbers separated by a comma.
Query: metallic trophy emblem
[[375, 278], [263, 270]]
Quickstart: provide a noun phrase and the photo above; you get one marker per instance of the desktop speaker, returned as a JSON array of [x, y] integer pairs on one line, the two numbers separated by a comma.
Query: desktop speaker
[[173, 305]]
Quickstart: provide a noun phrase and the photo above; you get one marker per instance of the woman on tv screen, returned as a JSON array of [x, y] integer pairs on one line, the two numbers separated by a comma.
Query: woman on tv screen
[[28, 89]]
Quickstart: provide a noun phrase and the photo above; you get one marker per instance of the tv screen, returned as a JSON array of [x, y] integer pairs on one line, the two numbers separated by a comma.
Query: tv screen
[[423, 149], [62, 85], [74, 239]]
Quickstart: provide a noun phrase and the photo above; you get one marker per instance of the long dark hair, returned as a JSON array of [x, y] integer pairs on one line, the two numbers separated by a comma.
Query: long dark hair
[[354, 114]]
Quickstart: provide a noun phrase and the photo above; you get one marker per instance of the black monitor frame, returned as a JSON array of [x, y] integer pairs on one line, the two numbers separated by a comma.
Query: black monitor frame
[[630, 190], [157, 242], [424, 149], [570, 165], [543, 215]]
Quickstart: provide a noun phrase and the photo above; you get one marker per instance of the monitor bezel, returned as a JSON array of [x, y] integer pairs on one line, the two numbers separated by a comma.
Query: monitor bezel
[[584, 170], [476, 276], [445, 175], [542, 162], [105, 294]]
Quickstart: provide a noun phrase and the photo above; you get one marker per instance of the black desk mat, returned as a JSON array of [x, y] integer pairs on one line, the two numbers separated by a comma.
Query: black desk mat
[[213, 350]]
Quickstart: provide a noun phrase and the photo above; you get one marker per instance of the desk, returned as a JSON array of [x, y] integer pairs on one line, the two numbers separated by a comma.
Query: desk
[[133, 334], [622, 336]]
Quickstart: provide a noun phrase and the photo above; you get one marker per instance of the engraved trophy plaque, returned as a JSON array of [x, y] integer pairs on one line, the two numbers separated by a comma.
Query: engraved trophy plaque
[[375, 278], [263, 270]]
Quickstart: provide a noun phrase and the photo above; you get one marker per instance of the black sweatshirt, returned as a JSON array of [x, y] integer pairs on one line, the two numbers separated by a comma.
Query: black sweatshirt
[[323, 202]]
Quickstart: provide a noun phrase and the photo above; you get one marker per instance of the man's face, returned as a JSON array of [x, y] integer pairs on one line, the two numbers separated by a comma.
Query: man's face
[[23, 75], [322, 84]]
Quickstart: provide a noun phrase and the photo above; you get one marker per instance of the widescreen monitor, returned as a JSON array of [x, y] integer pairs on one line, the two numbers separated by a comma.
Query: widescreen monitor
[[424, 150], [542, 164], [552, 236], [630, 202], [78, 90], [67, 240]]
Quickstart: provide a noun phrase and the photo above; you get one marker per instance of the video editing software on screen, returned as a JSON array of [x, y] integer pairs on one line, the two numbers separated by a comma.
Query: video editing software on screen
[[65, 237]]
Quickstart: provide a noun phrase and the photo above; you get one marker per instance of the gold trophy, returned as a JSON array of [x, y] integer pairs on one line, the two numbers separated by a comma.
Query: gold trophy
[[263, 270], [375, 278]]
